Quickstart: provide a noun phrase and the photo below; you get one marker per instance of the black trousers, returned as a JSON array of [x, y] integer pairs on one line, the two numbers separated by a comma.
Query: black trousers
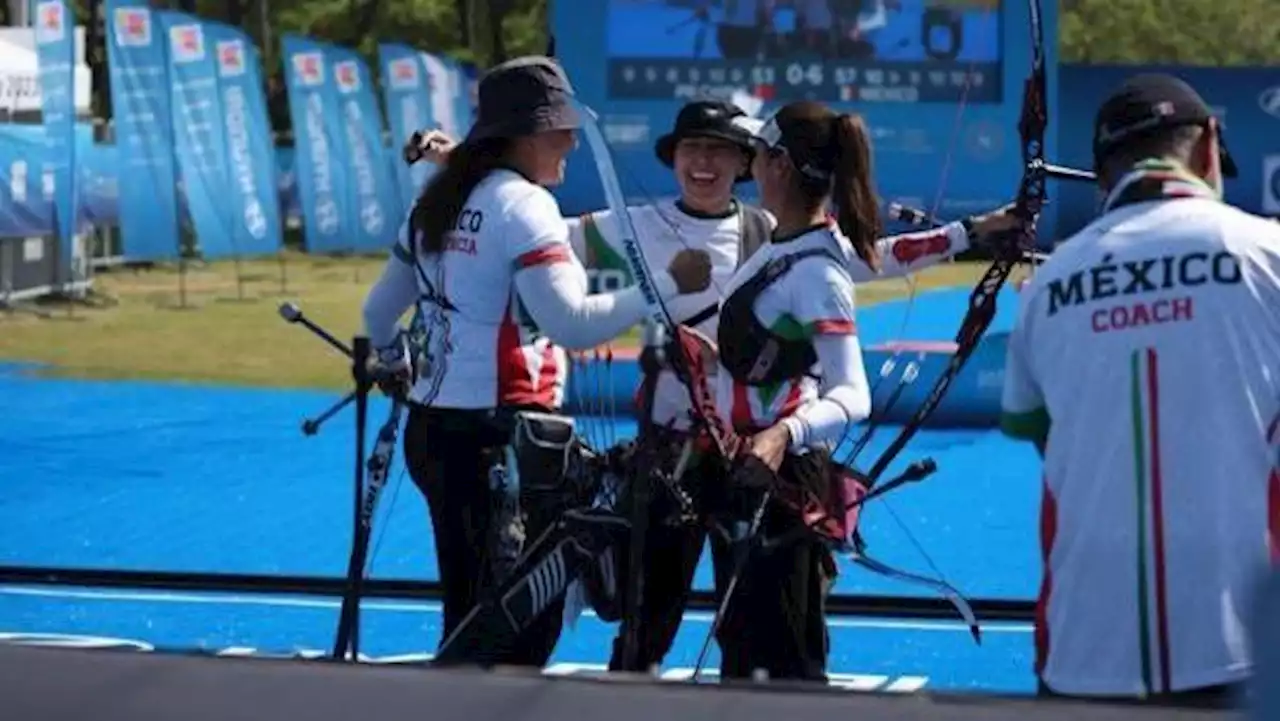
[[448, 453], [671, 555], [776, 619]]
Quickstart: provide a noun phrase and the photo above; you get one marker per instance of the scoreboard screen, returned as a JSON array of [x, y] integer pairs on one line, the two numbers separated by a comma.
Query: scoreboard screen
[[861, 51]]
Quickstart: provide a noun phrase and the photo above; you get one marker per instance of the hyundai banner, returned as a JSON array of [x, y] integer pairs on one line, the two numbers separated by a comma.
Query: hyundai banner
[[443, 107], [251, 162], [461, 96], [56, 54], [287, 185], [97, 182], [407, 97], [319, 148], [27, 182], [470, 93], [139, 75], [198, 133], [22, 152], [374, 195]]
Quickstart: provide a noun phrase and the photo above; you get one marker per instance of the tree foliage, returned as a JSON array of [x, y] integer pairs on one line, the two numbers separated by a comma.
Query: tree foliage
[[1174, 32]]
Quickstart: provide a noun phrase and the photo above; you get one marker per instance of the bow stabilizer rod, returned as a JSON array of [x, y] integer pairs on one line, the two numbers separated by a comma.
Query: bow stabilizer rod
[[293, 314]]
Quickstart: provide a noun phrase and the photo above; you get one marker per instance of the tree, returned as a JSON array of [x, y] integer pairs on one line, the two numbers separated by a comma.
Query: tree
[[1181, 32], [498, 10], [463, 10]]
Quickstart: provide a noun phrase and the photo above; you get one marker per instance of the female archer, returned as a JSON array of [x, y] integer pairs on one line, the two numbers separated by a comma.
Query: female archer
[[709, 150], [709, 153], [485, 257], [791, 376]]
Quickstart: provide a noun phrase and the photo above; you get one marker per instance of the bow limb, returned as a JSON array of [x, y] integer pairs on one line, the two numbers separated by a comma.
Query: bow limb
[[634, 254], [941, 587], [653, 202]]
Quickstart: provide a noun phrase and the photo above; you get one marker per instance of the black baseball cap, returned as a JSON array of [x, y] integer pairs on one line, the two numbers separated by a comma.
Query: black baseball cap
[[1147, 103], [524, 96]]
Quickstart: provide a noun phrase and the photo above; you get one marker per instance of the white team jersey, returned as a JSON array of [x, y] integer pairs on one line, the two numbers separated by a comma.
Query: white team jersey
[[815, 297], [486, 352], [664, 230], [1152, 342]]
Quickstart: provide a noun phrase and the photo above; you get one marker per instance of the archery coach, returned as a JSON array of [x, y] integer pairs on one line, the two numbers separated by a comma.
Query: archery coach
[[1145, 366]]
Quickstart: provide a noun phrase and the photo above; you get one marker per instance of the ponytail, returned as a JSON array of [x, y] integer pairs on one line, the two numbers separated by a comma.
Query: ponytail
[[437, 209], [857, 207]]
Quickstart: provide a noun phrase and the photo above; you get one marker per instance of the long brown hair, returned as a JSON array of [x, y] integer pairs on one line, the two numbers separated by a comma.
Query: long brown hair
[[833, 153], [442, 200], [854, 192]]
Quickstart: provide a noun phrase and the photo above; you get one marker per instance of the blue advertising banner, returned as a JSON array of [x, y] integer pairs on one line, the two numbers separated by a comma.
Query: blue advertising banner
[[139, 75], [1246, 101], [939, 85], [251, 153], [470, 92], [461, 95], [56, 54], [287, 184], [198, 134], [23, 212], [318, 146], [27, 181], [98, 182], [407, 97], [374, 193], [444, 108]]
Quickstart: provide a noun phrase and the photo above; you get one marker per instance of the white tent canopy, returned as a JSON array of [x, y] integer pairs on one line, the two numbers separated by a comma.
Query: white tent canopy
[[20, 72]]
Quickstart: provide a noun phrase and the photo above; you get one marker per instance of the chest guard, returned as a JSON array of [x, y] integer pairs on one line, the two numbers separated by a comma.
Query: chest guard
[[753, 354]]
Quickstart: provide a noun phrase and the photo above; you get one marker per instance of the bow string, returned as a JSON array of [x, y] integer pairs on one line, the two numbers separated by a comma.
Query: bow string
[[1006, 250]]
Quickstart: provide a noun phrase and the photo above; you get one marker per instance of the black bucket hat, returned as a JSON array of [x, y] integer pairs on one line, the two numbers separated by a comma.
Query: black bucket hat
[[521, 97], [707, 119]]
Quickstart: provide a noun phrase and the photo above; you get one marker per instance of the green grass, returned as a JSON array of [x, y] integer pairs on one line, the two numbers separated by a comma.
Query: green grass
[[219, 338]]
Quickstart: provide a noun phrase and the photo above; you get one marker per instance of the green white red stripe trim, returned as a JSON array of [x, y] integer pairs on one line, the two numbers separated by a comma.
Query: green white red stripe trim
[[1149, 489]]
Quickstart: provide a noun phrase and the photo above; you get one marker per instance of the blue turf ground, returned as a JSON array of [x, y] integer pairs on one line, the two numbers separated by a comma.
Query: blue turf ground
[[178, 477]]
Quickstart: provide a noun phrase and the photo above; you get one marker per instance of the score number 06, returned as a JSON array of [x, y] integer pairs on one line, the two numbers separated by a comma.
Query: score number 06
[[811, 74]]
